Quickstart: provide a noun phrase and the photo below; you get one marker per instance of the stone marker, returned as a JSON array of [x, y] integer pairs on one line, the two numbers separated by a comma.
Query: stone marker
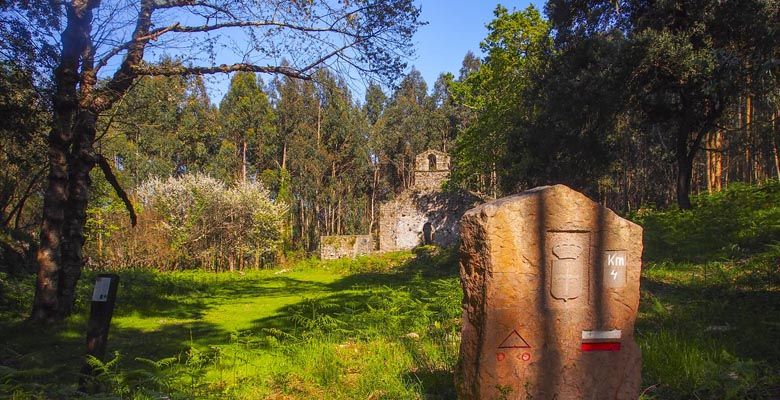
[[551, 291]]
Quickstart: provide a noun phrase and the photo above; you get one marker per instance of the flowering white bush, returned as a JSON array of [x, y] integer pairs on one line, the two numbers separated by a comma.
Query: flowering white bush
[[211, 224]]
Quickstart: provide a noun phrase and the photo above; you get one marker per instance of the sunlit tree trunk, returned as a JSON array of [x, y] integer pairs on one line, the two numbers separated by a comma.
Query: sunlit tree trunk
[[76, 209], [374, 184], [714, 161]]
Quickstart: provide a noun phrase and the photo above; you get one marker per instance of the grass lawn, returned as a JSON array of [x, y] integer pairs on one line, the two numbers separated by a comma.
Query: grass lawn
[[387, 326], [377, 327]]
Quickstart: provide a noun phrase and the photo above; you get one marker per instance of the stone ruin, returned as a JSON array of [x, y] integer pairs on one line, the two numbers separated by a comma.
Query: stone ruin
[[422, 214], [431, 169], [551, 292], [340, 246]]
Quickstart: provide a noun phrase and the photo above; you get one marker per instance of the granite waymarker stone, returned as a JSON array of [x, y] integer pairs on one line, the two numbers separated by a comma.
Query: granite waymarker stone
[[551, 291]]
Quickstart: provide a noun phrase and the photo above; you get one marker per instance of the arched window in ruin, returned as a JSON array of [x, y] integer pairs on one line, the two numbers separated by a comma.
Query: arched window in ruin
[[427, 233], [432, 162]]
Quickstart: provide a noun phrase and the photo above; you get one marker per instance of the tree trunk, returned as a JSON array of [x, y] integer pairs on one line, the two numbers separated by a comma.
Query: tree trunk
[[749, 167], [777, 159], [82, 162], [71, 155], [302, 222], [243, 160], [339, 219], [284, 156], [319, 123], [493, 180], [684, 168], [46, 302], [775, 139], [47, 305], [373, 199], [714, 161], [684, 174]]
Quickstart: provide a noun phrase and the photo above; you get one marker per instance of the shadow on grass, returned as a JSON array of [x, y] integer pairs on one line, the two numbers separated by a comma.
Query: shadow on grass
[[417, 283], [709, 340], [421, 298], [43, 357], [436, 384], [744, 321], [188, 297]]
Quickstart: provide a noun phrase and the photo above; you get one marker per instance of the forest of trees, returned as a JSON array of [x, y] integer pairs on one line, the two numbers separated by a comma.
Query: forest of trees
[[638, 104], [329, 158]]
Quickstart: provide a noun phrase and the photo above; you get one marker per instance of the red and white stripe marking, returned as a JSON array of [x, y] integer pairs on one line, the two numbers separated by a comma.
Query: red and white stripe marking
[[601, 340]]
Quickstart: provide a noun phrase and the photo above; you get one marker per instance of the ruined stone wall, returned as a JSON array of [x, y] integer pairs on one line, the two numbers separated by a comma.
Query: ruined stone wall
[[402, 221], [432, 168], [424, 214], [430, 180], [441, 161], [387, 225], [332, 247]]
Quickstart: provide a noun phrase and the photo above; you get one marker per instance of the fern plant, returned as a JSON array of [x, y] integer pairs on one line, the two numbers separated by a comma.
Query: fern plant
[[106, 377]]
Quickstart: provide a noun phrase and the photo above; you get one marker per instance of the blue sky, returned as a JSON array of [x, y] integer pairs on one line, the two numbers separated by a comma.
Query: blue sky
[[454, 27]]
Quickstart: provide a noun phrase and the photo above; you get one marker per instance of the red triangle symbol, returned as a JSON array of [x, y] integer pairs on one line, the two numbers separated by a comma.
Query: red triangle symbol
[[514, 341]]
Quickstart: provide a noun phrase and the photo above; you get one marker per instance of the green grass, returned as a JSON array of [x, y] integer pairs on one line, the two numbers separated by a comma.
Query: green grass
[[709, 322], [387, 326], [731, 224], [376, 327]]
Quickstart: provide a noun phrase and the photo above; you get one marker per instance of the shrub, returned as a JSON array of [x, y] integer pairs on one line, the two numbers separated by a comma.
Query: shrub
[[193, 221]]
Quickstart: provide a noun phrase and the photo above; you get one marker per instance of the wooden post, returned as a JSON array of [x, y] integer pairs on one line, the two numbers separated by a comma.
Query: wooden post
[[101, 311]]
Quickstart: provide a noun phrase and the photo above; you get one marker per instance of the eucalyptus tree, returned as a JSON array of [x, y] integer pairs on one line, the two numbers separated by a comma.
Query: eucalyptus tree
[[346, 152], [445, 119], [140, 132], [196, 138], [374, 105], [403, 130], [110, 40], [322, 140], [375, 102], [248, 120], [297, 109]]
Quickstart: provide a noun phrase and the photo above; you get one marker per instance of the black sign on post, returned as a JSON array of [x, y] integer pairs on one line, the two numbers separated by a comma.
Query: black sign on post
[[103, 301]]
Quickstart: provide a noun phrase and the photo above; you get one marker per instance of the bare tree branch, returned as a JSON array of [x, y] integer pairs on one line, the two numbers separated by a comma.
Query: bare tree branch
[[111, 178], [116, 50], [159, 70]]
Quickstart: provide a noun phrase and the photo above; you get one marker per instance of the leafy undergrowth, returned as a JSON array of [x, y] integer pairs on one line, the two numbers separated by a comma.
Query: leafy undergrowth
[[709, 323], [735, 223], [386, 326]]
